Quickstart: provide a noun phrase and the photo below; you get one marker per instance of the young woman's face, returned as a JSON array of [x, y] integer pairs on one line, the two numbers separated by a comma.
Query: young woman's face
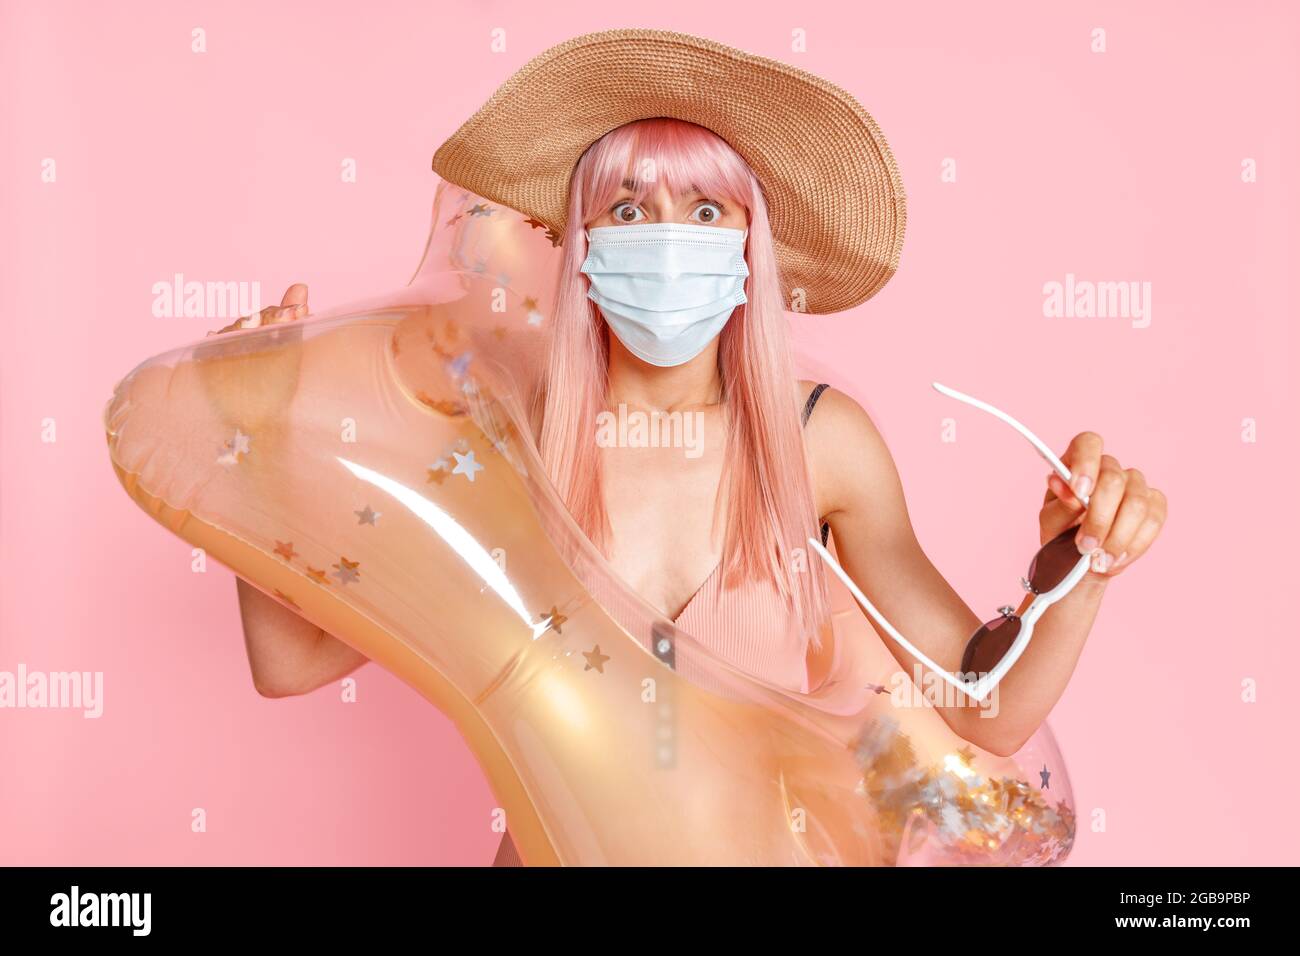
[[660, 206]]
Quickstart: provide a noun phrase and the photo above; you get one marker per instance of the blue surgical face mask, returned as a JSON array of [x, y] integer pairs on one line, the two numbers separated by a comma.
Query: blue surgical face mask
[[666, 289]]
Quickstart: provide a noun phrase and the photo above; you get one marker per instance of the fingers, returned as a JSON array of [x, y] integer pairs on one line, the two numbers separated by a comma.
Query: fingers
[[1157, 509], [271, 315], [292, 306], [1058, 491], [247, 322], [1129, 518], [275, 314], [1060, 508], [1123, 515], [296, 294], [1103, 505], [1083, 458]]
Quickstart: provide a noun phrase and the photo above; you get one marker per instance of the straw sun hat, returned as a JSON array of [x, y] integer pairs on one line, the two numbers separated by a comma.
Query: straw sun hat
[[834, 195]]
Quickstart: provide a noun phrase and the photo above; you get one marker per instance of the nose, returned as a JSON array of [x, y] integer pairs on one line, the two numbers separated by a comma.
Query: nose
[[660, 205]]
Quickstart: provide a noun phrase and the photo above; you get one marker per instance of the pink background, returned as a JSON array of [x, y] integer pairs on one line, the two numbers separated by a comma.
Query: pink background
[[1120, 166]]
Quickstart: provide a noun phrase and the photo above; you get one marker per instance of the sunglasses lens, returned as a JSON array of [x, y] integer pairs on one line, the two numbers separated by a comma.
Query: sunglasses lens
[[989, 645], [1054, 561]]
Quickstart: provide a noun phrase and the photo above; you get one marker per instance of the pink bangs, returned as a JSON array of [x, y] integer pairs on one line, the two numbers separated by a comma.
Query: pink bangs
[[681, 156]]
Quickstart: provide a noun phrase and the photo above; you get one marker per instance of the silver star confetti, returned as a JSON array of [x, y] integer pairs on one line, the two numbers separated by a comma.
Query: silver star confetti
[[234, 448], [466, 465], [346, 571]]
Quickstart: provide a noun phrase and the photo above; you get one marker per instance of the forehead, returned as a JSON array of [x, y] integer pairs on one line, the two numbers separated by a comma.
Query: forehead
[[642, 188]]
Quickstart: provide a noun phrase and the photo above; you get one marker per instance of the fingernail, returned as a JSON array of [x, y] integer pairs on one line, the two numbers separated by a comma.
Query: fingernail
[[1088, 544], [1101, 562], [1082, 484], [1120, 560]]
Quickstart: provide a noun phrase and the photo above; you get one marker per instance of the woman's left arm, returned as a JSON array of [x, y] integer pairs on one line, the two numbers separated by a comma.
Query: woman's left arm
[[860, 494]]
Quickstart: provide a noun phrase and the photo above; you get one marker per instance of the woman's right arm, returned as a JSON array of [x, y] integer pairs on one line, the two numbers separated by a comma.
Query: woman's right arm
[[287, 654]]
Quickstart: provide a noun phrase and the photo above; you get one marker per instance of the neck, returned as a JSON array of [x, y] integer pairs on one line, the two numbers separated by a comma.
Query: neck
[[634, 382]]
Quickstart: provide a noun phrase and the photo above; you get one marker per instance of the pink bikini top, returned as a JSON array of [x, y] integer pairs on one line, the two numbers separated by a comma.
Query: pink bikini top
[[750, 624]]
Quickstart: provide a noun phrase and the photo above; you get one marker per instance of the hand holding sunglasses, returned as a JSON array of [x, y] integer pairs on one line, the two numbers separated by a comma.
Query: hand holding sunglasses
[[1053, 573]]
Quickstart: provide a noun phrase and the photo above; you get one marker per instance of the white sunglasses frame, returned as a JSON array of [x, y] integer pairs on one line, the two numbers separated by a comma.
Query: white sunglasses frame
[[980, 689]]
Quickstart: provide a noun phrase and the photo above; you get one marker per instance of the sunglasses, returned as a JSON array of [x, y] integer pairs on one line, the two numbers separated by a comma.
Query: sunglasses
[[997, 644]]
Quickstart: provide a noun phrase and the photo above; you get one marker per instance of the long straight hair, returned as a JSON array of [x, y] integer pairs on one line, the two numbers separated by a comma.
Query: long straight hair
[[770, 506]]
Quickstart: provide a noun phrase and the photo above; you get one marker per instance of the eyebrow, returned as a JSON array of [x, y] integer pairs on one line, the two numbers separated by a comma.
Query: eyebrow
[[630, 186]]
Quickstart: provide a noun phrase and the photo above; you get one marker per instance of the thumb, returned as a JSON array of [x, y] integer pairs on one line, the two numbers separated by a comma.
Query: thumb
[[1057, 513], [1058, 488], [296, 294]]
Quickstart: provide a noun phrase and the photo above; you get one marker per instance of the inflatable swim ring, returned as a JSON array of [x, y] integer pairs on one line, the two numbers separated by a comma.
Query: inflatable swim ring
[[372, 469]]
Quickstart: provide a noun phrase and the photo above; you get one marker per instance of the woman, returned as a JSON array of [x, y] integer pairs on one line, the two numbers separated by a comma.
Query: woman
[[678, 257]]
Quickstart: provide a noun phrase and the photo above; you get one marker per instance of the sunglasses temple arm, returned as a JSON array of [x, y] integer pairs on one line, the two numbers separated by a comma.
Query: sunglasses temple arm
[[880, 619], [994, 677], [1057, 465]]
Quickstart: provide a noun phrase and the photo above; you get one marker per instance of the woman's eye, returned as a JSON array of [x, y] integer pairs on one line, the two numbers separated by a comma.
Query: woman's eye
[[626, 212], [707, 213]]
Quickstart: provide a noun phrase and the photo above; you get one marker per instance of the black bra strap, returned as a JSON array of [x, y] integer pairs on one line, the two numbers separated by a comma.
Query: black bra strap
[[809, 405], [807, 410]]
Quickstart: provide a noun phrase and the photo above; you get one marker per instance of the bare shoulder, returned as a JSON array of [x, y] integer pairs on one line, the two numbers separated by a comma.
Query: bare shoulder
[[847, 455]]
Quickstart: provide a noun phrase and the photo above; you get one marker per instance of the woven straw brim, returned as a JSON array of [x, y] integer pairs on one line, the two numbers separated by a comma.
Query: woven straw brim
[[834, 195]]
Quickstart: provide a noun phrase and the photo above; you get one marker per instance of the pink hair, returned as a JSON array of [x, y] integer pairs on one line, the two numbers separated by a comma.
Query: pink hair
[[771, 507]]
